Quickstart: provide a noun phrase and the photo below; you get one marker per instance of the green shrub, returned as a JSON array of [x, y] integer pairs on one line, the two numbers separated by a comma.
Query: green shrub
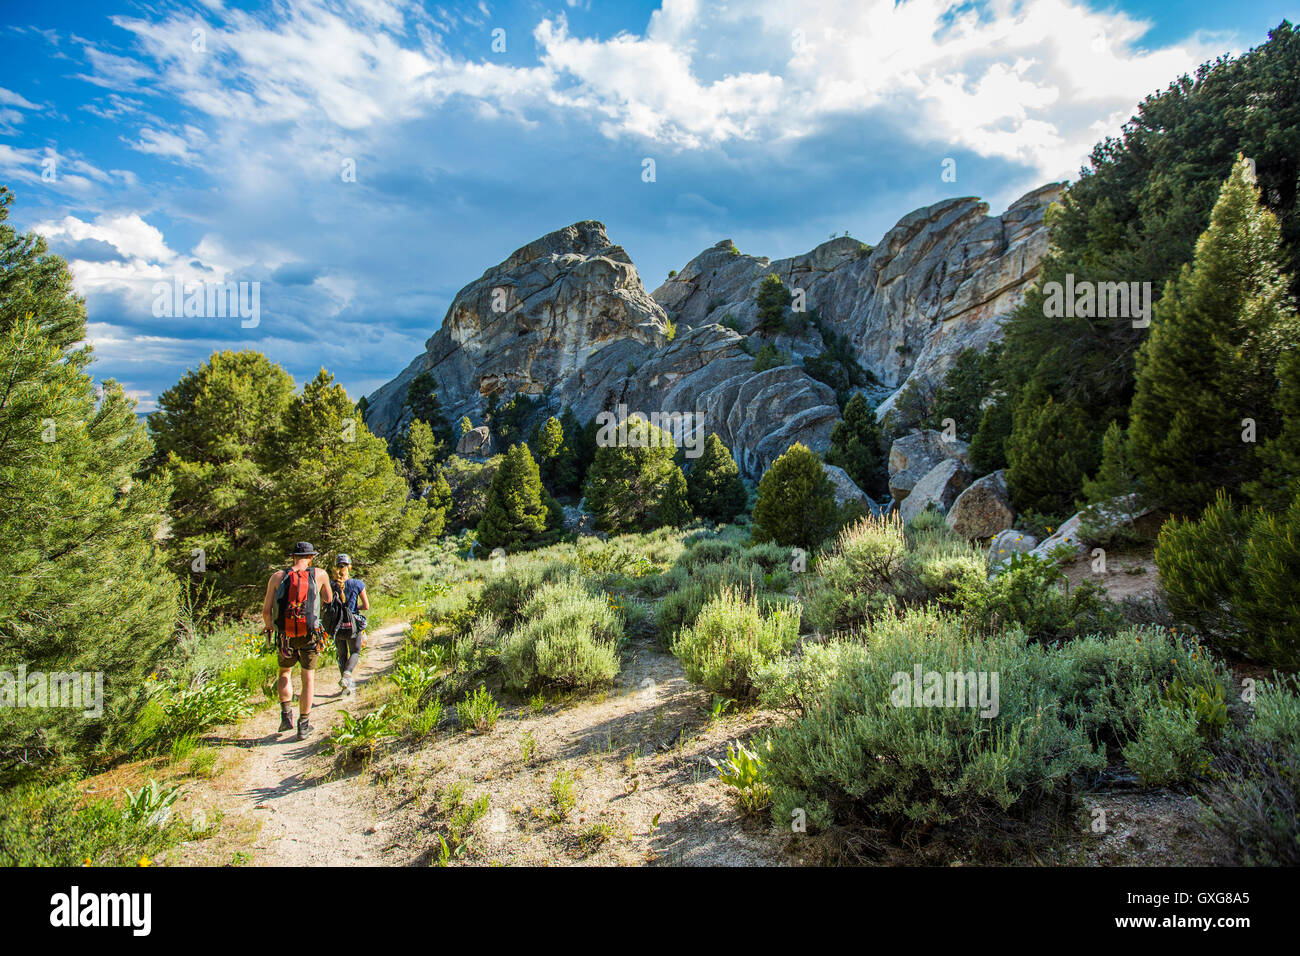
[[1234, 575], [710, 551], [768, 556], [731, 638], [1107, 685], [1167, 748], [355, 739], [855, 757], [193, 710], [795, 681], [504, 594], [478, 711], [1031, 593], [57, 826], [569, 638]]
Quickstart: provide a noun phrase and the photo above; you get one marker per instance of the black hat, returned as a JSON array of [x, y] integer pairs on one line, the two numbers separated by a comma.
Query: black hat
[[303, 549]]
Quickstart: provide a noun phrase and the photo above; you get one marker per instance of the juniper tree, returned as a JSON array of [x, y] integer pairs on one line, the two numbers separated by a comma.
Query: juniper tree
[[715, 488], [422, 399], [84, 584]]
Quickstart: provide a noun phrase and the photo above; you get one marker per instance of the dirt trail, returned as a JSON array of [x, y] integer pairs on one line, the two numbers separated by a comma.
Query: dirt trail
[[309, 817]]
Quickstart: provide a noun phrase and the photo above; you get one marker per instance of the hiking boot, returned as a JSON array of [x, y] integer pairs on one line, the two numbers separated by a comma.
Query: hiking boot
[[286, 720], [349, 684], [304, 728]]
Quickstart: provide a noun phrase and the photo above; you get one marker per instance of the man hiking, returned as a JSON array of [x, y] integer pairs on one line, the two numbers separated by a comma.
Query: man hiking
[[350, 624], [291, 612]]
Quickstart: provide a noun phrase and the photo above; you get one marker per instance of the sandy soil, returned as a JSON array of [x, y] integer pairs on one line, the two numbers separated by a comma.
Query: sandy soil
[[280, 795]]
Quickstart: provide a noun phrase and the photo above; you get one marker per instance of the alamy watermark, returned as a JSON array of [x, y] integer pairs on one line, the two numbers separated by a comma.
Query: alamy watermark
[[972, 689], [621, 430], [1098, 300], [209, 300], [82, 691]]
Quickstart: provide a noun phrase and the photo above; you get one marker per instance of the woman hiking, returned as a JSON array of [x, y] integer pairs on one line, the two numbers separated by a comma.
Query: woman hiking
[[351, 592]]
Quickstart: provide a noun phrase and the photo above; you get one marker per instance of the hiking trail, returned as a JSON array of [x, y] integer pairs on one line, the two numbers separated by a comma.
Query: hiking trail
[[310, 817]]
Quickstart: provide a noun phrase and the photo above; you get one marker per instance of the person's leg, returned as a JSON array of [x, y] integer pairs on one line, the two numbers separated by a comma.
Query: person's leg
[[308, 688], [285, 686], [354, 655], [341, 650]]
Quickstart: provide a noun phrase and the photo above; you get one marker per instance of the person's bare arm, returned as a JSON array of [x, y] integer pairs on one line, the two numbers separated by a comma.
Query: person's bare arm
[[323, 583], [364, 600], [268, 617]]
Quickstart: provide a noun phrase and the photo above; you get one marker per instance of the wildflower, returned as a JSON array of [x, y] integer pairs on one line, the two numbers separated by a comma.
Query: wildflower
[[145, 861]]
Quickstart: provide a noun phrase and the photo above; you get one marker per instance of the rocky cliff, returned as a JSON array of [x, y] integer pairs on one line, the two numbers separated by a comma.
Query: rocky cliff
[[567, 315]]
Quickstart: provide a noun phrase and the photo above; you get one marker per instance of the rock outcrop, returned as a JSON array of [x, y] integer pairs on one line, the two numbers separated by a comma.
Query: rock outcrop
[[913, 456], [940, 281], [477, 442], [939, 488], [1007, 544], [983, 509], [846, 489], [567, 316]]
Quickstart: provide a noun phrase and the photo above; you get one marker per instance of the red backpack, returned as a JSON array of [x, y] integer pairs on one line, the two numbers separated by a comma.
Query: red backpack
[[298, 607]]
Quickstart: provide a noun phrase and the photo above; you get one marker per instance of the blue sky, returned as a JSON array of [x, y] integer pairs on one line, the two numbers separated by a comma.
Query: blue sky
[[207, 141]]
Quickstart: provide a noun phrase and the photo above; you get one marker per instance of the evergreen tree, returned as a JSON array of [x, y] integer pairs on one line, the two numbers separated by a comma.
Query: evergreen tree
[[1117, 477], [420, 454], [515, 513], [772, 299], [211, 434], [1050, 450], [988, 450], [796, 501], [632, 473], [674, 506], [856, 442], [1211, 358], [437, 504], [1279, 457], [1136, 212], [556, 457], [422, 399], [85, 589], [465, 424], [333, 483], [714, 486], [965, 386]]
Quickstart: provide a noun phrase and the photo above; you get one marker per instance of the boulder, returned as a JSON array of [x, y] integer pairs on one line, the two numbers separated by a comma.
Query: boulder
[[846, 489], [983, 509], [913, 456], [1102, 518], [1066, 539], [1010, 542], [477, 443], [939, 487]]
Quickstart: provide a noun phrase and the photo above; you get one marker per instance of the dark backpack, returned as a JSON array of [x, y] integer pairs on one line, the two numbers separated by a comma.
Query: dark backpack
[[297, 604], [338, 620]]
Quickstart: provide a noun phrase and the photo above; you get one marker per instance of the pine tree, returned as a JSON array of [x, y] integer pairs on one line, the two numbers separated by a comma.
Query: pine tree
[[632, 473], [1117, 476], [420, 453], [84, 585], [714, 486], [988, 450], [422, 399], [1211, 358], [772, 299], [856, 447], [516, 513], [674, 506], [796, 501], [965, 386], [465, 424], [555, 457], [333, 483], [437, 505], [210, 440]]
